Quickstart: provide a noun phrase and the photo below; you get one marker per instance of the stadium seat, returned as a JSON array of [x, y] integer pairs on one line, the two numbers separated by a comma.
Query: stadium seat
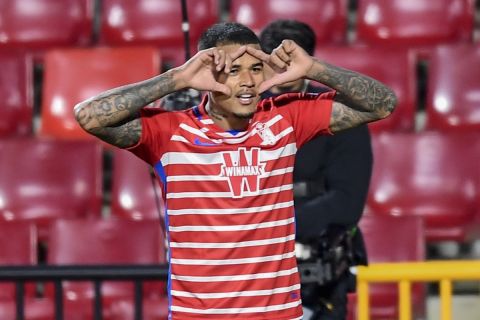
[[16, 90], [428, 174], [133, 195], [105, 242], [395, 68], [41, 25], [18, 247], [386, 241], [453, 90], [157, 23], [327, 17], [43, 180], [73, 75], [21, 251], [414, 23]]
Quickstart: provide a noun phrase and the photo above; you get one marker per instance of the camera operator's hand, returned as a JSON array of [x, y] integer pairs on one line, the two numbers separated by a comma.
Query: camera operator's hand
[[289, 62]]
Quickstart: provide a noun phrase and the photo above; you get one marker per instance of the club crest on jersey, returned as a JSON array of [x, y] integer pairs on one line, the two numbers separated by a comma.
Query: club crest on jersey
[[267, 136], [242, 169]]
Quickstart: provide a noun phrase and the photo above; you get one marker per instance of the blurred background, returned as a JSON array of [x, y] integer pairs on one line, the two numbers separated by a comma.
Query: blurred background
[[65, 198]]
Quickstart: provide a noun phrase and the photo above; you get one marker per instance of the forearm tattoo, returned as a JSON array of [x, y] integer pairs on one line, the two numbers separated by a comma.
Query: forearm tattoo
[[357, 91], [111, 115]]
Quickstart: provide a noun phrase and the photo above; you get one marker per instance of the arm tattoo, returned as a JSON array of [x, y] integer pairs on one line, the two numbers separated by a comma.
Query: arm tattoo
[[111, 115], [122, 136], [343, 118], [370, 98]]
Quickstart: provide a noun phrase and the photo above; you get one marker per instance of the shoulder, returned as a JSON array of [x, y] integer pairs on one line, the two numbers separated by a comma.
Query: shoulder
[[294, 98]]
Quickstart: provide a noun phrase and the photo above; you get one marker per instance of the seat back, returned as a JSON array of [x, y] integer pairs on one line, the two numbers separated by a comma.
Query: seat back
[[45, 179], [426, 174], [45, 24], [395, 68], [414, 22], [16, 90], [156, 23], [74, 75], [18, 246], [105, 242], [328, 18], [135, 193], [453, 96], [394, 239]]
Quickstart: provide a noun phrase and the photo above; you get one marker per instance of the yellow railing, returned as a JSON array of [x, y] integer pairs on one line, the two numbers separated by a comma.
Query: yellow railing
[[443, 272]]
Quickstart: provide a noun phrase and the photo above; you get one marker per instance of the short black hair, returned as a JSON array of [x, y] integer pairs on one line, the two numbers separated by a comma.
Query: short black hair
[[274, 33], [224, 33]]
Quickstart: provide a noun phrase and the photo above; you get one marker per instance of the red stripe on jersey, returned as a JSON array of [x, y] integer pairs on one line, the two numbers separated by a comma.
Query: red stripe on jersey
[[234, 252], [262, 270]]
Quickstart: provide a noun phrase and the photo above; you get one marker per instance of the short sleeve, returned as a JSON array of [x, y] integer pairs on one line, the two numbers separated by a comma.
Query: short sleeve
[[309, 113], [156, 132]]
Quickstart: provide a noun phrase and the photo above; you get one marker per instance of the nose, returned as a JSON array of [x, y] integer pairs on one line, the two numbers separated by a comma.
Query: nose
[[247, 79]]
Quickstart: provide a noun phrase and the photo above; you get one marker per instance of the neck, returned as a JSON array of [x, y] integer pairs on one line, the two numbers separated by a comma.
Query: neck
[[224, 120]]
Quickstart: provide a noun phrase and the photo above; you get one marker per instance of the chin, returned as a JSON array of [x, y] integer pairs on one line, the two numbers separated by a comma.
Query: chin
[[244, 115]]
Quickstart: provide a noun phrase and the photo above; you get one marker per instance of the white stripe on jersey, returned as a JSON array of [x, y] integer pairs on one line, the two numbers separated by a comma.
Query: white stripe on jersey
[[275, 206], [199, 133], [244, 227], [235, 294], [277, 172], [240, 277], [179, 138], [170, 158], [216, 262], [228, 245], [180, 195], [239, 310]]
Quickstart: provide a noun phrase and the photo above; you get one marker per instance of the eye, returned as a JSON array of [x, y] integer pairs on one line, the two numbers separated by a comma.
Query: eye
[[257, 69], [233, 72]]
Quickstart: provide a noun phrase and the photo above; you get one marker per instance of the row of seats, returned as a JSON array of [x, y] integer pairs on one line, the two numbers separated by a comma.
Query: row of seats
[[431, 174], [125, 241], [85, 242], [43, 24], [72, 75]]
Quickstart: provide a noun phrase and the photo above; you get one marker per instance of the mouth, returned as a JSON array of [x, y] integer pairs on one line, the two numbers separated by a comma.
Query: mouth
[[246, 98]]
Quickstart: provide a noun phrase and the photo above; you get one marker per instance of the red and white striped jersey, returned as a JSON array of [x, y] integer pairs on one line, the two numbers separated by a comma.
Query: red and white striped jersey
[[229, 202]]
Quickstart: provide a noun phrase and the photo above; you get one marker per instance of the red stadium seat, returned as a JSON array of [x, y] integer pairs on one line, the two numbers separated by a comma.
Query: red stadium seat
[[414, 23], [43, 180], [21, 251], [157, 23], [108, 242], [426, 174], [33, 24], [386, 241], [73, 75], [395, 68], [453, 90], [16, 90], [133, 195], [18, 246], [327, 17]]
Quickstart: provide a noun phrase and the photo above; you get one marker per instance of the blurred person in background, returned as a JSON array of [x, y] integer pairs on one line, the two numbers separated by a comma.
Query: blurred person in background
[[331, 180]]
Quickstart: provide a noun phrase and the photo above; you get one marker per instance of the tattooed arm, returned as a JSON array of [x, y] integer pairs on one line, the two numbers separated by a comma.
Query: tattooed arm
[[113, 116], [359, 98]]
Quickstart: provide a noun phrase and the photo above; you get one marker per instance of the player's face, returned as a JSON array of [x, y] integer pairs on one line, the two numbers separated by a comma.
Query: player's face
[[244, 78]]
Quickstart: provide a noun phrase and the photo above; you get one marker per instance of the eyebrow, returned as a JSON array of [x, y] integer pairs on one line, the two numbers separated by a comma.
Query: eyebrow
[[258, 64]]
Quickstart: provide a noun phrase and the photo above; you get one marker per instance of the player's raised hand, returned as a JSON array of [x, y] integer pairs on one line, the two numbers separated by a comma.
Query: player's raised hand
[[201, 70], [289, 62]]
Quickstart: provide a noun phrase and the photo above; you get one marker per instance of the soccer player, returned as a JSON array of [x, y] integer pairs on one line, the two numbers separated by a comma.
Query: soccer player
[[226, 165]]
